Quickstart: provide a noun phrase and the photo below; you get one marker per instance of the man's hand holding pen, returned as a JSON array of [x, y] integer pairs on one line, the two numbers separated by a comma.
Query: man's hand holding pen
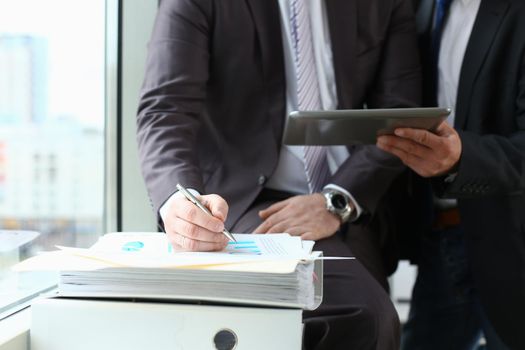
[[191, 229]]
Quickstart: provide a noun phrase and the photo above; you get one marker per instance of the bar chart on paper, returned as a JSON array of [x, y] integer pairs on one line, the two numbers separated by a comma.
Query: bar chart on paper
[[243, 247]]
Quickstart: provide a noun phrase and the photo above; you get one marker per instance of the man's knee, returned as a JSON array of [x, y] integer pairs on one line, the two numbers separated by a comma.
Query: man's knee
[[383, 319]]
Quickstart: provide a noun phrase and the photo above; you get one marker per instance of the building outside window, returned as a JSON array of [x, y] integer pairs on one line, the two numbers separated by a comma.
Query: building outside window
[[52, 103]]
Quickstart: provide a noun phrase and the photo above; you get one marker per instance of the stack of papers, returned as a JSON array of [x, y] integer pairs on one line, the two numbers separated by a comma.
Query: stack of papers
[[273, 270]]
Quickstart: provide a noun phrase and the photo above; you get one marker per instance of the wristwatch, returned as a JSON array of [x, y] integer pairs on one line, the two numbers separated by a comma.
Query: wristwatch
[[338, 203]]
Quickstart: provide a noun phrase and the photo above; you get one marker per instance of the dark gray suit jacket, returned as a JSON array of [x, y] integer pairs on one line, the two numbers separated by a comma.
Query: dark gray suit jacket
[[212, 105], [490, 186]]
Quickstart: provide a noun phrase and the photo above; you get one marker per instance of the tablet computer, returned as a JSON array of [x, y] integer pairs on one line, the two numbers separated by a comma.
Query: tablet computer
[[356, 126]]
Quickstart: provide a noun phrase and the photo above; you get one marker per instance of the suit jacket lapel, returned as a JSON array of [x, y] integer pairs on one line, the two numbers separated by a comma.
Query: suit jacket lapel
[[490, 16], [267, 19], [424, 17], [342, 18]]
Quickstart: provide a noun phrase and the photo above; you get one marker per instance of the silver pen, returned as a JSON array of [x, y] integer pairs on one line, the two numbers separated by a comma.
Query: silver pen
[[195, 201]]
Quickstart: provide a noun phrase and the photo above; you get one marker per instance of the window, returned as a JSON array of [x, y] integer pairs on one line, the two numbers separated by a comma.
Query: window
[[52, 117]]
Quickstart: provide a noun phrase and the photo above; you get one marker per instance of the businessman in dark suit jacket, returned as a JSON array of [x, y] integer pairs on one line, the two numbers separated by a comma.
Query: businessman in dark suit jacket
[[481, 163], [211, 117]]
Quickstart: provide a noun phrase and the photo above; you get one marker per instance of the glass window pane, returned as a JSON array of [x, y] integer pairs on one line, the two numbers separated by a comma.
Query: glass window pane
[[51, 133]]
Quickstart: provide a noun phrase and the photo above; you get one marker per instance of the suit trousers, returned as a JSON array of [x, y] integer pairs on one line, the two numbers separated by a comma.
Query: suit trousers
[[356, 312]]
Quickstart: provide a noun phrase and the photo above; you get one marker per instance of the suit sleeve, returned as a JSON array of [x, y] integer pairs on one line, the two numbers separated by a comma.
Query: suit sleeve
[[492, 164], [172, 98], [369, 172]]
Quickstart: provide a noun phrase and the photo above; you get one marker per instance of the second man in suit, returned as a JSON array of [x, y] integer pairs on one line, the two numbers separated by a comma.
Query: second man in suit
[[471, 277]]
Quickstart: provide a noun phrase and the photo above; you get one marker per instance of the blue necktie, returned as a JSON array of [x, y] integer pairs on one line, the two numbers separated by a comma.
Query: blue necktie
[[441, 11]]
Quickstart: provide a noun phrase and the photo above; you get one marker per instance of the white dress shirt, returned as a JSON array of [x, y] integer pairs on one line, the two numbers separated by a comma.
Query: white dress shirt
[[456, 34]]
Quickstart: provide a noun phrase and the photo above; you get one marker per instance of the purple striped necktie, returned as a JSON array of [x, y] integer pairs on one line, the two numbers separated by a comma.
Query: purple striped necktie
[[308, 96]]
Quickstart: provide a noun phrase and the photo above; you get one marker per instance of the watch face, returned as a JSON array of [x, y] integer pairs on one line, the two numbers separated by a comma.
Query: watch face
[[339, 201]]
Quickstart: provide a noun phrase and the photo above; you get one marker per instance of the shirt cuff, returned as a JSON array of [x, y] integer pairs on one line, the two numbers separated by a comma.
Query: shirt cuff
[[358, 208], [163, 211]]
